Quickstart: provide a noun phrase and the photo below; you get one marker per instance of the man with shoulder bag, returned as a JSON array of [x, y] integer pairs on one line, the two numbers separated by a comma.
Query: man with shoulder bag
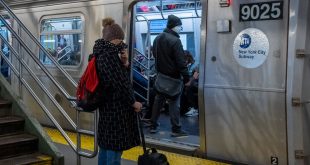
[[172, 74]]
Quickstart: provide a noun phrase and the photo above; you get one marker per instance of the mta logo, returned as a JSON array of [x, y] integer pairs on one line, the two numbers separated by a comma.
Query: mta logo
[[245, 41]]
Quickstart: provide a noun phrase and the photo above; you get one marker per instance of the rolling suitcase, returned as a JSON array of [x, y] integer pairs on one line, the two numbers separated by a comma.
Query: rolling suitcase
[[150, 156]]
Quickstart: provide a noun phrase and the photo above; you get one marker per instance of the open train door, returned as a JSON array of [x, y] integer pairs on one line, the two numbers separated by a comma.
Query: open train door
[[148, 19]]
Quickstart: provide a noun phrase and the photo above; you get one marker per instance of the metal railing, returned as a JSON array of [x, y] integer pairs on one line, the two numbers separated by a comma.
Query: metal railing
[[197, 4], [63, 50], [146, 57], [23, 81]]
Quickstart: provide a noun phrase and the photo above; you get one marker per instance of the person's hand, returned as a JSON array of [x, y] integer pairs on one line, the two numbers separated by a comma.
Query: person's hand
[[196, 75], [137, 106], [187, 84], [124, 58]]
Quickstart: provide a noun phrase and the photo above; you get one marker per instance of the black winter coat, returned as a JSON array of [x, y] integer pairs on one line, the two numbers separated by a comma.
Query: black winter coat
[[169, 54], [117, 127]]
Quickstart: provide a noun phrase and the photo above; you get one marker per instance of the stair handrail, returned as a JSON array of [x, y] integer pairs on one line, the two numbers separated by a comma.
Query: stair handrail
[[75, 148], [66, 74], [62, 111], [39, 63], [36, 60], [46, 111]]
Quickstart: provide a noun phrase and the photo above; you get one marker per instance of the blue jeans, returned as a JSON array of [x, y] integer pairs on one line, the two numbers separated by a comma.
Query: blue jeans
[[174, 111], [109, 157]]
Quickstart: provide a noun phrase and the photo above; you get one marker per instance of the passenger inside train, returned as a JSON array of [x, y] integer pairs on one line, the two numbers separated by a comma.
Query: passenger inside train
[[189, 98], [64, 36], [4, 68]]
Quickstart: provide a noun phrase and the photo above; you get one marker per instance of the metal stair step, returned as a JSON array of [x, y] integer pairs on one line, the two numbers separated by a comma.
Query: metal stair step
[[4, 103], [29, 159], [11, 125], [5, 107], [15, 145]]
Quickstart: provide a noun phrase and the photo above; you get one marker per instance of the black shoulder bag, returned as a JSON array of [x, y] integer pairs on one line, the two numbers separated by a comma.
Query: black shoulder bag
[[165, 84]]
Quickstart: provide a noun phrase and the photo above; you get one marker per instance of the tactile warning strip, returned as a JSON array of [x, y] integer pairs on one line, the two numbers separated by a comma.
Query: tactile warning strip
[[87, 143]]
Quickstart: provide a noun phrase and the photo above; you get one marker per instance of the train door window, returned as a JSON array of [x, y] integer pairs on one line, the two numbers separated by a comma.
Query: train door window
[[62, 37], [6, 34], [151, 20]]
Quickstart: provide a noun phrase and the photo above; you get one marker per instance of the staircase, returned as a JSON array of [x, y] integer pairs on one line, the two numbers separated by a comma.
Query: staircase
[[17, 147]]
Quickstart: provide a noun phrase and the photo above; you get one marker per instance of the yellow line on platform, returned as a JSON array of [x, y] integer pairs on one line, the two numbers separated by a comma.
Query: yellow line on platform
[[87, 142]]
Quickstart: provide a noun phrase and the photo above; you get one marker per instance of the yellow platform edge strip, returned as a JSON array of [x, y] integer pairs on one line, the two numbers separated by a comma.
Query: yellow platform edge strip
[[87, 143]]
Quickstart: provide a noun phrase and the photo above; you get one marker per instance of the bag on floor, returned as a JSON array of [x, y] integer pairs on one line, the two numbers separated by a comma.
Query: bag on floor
[[152, 157], [86, 94]]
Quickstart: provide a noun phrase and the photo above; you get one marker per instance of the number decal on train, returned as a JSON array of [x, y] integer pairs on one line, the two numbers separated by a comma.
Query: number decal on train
[[261, 11], [274, 160]]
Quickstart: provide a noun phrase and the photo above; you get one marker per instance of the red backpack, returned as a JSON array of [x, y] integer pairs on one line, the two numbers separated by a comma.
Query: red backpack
[[86, 94]]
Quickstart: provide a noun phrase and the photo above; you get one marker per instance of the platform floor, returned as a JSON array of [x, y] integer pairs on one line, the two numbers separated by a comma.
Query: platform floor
[[189, 124], [70, 157], [129, 157]]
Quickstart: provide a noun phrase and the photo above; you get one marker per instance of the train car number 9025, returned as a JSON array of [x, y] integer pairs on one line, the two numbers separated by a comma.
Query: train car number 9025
[[261, 11]]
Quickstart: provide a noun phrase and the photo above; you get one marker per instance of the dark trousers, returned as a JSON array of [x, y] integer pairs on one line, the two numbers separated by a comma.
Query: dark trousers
[[174, 111]]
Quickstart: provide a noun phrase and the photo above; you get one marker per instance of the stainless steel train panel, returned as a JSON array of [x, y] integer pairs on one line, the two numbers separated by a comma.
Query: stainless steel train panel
[[245, 126], [225, 71], [245, 108]]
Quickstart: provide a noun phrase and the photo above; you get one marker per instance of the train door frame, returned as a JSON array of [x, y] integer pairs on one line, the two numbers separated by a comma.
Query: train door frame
[[299, 27], [202, 64], [129, 15]]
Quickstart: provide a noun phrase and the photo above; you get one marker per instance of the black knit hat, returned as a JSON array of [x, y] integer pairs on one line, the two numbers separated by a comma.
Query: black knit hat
[[111, 30], [173, 21]]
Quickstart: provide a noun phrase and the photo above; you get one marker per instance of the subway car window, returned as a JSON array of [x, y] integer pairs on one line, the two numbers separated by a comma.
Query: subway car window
[[62, 38], [4, 67]]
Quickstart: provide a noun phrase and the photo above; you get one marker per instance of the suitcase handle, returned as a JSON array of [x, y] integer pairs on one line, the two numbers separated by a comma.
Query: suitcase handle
[[139, 116]]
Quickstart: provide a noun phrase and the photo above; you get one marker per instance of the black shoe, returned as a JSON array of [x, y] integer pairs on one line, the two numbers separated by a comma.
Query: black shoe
[[147, 123], [179, 133], [154, 129]]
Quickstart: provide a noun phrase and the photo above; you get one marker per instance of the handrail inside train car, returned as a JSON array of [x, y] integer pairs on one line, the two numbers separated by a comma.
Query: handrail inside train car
[[162, 12], [161, 9], [136, 50], [148, 47]]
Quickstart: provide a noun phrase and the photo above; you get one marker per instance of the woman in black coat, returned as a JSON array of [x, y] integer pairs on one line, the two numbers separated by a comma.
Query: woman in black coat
[[117, 127]]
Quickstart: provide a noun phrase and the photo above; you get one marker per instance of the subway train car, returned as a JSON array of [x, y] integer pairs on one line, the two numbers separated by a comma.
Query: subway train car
[[252, 58]]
